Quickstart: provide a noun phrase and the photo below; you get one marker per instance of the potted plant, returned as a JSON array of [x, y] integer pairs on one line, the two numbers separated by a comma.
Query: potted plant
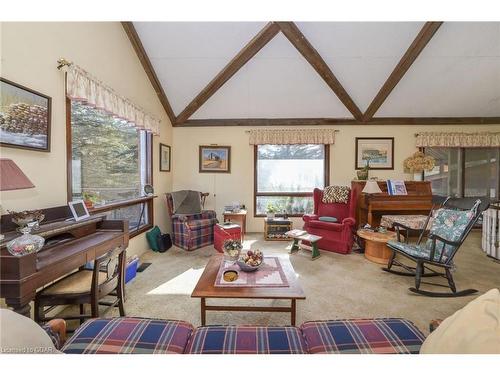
[[271, 211], [90, 198], [363, 173]]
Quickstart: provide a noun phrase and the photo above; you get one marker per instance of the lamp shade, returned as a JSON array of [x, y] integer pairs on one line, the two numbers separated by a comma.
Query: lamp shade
[[12, 177], [371, 187]]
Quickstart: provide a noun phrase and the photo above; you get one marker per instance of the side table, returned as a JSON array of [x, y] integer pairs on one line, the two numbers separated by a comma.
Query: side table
[[376, 249], [239, 218]]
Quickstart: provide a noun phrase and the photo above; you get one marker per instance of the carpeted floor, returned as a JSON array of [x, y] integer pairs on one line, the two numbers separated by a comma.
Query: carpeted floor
[[336, 286]]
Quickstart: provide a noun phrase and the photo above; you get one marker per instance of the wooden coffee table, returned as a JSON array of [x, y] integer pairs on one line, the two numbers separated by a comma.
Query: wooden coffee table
[[376, 248], [206, 289]]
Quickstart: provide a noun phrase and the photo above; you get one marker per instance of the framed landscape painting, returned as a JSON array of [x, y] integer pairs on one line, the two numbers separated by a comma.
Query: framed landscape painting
[[164, 158], [215, 159], [378, 152], [24, 117]]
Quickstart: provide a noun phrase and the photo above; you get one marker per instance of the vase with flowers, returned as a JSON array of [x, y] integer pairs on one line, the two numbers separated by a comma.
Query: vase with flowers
[[232, 249], [417, 163], [362, 174]]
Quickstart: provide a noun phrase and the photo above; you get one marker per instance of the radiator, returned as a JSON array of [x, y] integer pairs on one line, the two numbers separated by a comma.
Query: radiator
[[491, 232]]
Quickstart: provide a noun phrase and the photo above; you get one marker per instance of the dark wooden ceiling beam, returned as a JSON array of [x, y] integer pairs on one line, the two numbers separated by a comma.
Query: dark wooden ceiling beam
[[255, 45], [342, 121], [295, 36], [411, 54], [148, 68]]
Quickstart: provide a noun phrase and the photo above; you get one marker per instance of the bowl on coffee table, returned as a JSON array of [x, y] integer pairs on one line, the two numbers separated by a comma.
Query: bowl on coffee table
[[250, 261]]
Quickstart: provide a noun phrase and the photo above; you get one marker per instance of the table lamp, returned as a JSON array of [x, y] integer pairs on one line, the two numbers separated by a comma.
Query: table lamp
[[371, 187], [12, 178]]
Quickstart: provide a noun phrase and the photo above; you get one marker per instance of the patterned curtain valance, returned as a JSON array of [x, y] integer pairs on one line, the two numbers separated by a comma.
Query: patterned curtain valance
[[292, 136], [85, 88], [479, 139]]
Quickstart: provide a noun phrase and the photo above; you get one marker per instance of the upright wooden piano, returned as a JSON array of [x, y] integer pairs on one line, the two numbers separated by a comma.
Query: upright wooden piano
[[371, 207], [68, 245]]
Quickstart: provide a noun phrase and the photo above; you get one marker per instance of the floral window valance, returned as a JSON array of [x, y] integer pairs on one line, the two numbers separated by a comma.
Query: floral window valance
[[479, 139], [83, 87], [292, 136]]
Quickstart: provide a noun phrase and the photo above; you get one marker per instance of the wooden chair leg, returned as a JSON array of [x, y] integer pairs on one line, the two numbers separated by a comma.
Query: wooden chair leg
[[121, 296], [418, 275], [391, 260], [37, 310], [82, 312], [451, 283]]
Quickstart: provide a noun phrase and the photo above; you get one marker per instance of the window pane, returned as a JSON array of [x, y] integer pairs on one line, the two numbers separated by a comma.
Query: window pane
[[137, 215], [481, 172], [105, 155], [290, 168], [445, 175], [290, 205]]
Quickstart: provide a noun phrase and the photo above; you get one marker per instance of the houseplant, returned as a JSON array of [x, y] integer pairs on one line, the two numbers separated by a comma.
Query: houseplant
[[271, 211], [363, 173], [90, 198]]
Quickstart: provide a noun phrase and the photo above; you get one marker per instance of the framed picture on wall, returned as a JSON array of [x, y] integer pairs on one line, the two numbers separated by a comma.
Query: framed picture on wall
[[165, 158], [24, 117], [215, 159], [379, 152]]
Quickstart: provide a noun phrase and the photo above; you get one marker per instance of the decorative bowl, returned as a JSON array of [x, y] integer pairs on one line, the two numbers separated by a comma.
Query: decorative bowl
[[247, 268], [24, 217]]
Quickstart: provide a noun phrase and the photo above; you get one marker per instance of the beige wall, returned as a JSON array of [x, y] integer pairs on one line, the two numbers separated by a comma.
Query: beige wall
[[238, 185], [28, 56]]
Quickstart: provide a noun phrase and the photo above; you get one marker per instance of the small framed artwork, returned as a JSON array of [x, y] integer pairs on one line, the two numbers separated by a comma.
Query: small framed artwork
[[79, 210], [24, 117], [215, 159], [377, 151], [165, 158]]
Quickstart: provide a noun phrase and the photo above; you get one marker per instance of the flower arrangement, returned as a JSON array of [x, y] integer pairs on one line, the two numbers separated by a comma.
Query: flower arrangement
[[419, 162], [232, 249]]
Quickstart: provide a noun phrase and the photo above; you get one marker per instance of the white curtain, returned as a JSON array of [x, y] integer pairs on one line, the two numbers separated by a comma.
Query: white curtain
[[83, 87], [479, 139], [292, 136]]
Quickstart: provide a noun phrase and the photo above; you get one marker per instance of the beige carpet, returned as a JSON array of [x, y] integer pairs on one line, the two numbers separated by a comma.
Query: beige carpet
[[336, 286]]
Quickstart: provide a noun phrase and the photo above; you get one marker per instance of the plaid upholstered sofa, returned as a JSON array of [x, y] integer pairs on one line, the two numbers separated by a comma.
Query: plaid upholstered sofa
[[139, 335], [190, 232]]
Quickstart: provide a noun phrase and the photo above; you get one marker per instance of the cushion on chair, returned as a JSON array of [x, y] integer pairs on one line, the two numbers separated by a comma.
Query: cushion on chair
[[246, 340], [129, 336], [200, 224], [450, 225], [78, 282], [474, 329], [362, 336], [416, 251], [328, 219]]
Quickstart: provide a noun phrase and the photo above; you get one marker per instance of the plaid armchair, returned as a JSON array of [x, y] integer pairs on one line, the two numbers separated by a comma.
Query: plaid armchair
[[190, 232]]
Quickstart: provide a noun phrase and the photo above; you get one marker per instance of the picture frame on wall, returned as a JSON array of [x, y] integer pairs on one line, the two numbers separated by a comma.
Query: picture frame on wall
[[215, 159], [165, 157], [378, 150], [25, 117]]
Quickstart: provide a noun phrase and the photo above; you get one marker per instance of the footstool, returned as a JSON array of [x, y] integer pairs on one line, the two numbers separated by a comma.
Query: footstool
[[129, 336]]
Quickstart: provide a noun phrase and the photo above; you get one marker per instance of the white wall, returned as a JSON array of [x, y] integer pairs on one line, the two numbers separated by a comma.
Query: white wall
[[29, 52], [238, 185]]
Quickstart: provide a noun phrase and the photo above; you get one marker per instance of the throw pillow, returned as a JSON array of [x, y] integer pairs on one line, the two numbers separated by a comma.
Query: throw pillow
[[328, 219], [336, 194], [474, 329]]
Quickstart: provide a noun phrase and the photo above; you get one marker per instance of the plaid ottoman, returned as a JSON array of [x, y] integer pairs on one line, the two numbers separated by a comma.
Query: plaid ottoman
[[363, 336], [129, 336], [246, 340]]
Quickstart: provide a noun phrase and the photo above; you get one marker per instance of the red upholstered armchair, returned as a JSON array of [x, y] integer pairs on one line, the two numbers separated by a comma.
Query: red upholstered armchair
[[338, 236]]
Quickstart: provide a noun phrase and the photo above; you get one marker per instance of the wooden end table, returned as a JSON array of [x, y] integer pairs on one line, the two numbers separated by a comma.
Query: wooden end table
[[376, 249], [206, 289]]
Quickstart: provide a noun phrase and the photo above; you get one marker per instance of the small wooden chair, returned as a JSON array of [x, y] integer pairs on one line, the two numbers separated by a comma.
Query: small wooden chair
[[87, 287]]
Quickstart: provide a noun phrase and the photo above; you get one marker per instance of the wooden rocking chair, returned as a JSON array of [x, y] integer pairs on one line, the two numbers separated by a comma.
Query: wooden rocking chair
[[449, 229]]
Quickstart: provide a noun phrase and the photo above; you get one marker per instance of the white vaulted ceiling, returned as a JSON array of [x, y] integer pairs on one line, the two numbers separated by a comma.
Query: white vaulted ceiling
[[456, 75]]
